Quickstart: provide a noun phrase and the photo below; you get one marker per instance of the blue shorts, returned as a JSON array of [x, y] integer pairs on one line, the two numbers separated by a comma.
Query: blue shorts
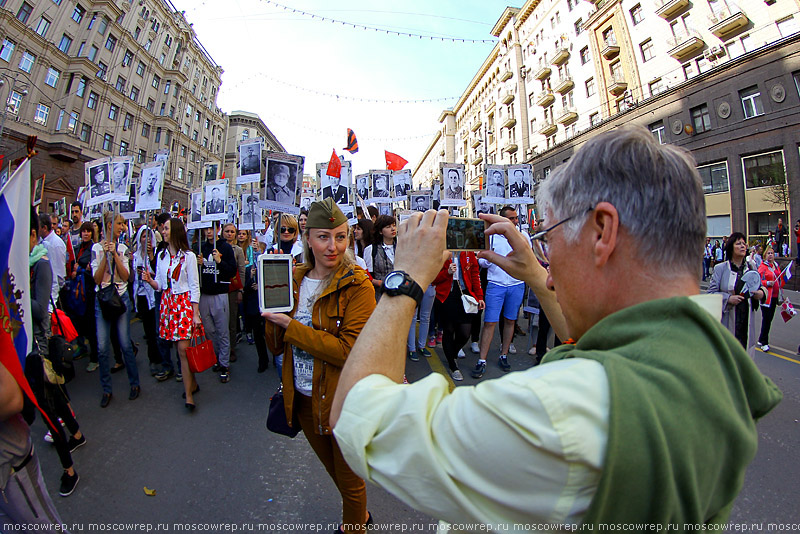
[[506, 298]]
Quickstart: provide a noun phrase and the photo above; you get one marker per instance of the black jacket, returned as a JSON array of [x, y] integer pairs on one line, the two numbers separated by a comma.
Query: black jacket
[[224, 270]]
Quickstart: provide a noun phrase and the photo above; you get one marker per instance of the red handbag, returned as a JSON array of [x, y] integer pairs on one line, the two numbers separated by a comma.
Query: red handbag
[[200, 352], [236, 283]]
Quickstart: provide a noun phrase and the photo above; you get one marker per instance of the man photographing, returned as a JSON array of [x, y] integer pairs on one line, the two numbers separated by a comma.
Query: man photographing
[[648, 417]]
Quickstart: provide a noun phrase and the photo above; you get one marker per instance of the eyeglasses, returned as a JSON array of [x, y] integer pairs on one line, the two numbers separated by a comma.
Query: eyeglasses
[[287, 230], [539, 239]]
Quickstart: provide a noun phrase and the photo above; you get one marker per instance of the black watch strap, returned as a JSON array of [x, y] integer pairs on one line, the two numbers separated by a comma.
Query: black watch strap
[[408, 287]]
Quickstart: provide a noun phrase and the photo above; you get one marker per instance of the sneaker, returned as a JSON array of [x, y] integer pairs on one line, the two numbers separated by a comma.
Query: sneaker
[[93, 366], [475, 348], [532, 351], [503, 363], [154, 369], [178, 377], [457, 376], [217, 368], [512, 349], [461, 354], [480, 368], [48, 437], [76, 443], [412, 355], [250, 340], [432, 341], [68, 484], [165, 375], [225, 375], [424, 352], [765, 348], [438, 338]]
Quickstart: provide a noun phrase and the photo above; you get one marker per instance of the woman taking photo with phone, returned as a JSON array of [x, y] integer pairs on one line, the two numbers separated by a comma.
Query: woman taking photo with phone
[[178, 278], [332, 301]]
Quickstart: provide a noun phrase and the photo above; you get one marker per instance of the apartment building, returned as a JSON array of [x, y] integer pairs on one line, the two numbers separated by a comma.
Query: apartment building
[[241, 126], [117, 77]]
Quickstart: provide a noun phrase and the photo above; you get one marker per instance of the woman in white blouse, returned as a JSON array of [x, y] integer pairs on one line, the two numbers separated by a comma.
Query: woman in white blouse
[[177, 277]]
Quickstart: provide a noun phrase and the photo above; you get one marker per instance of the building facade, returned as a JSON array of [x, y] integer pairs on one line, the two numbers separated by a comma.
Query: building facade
[[241, 126], [94, 79]]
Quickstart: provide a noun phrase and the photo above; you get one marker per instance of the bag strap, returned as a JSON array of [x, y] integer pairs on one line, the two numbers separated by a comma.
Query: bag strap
[[55, 312]]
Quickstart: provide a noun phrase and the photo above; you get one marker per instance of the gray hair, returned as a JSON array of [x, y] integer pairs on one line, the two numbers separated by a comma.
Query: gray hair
[[655, 188]]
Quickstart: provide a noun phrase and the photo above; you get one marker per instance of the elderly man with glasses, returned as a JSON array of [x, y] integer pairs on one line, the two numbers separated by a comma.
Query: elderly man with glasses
[[645, 417]]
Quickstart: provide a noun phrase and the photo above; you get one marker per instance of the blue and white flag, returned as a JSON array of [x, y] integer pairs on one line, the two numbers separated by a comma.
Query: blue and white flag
[[15, 216]]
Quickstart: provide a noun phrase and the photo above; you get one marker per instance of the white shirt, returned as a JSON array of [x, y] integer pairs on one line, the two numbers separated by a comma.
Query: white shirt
[[389, 249], [188, 277], [495, 274], [303, 361], [97, 255], [57, 254]]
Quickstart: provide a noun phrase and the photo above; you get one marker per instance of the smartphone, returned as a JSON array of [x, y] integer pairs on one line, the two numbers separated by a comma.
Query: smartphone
[[275, 283], [466, 234]]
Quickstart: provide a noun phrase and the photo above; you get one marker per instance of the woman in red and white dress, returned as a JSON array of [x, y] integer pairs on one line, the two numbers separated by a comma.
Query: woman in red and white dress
[[177, 277]]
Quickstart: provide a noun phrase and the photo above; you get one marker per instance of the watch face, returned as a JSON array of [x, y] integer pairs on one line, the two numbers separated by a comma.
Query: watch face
[[393, 281]]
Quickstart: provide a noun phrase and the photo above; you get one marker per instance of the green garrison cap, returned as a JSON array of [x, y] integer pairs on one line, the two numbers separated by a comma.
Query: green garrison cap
[[325, 214]]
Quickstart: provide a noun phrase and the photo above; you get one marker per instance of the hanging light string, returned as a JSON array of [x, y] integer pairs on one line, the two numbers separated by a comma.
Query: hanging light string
[[362, 137], [340, 96], [377, 29]]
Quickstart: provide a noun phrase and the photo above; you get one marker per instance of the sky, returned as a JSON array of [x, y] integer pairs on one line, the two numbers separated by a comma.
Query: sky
[[274, 59]]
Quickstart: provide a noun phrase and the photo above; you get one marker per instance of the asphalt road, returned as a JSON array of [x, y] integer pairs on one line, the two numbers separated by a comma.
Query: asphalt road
[[220, 466]]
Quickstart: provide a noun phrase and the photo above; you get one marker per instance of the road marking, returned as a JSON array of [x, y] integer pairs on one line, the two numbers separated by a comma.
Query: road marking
[[436, 366], [781, 356]]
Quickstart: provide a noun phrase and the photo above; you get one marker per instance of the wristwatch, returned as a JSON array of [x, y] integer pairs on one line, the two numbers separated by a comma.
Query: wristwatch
[[400, 283]]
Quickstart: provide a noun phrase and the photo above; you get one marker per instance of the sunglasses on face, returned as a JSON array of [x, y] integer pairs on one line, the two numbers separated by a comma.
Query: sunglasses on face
[[287, 230]]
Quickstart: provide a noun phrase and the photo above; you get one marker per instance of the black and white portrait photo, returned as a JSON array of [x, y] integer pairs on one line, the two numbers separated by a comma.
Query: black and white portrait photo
[[401, 180], [120, 174], [519, 183], [420, 202], [479, 205], [38, 190], [495, 184], [251, 212], [332, 187], [281, 182], [211, 172], [232, 211], [128, 207], [380, 185], [100, 182], [215, 200], [362, 186], [305, 202], [453, 184], [249, 162], [150, 185], [385, 209], [196, 210]]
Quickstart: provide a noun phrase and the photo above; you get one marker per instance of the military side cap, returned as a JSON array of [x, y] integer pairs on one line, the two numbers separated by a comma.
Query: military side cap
[[325, 214]]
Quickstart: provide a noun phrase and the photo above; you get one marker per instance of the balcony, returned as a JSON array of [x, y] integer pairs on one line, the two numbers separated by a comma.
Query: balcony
[[564, 85], [475, 126], [727, 21], [548, 128], [567, 116], [478, 159], [508, 98], [562, 54], [542, 73], [506, 75], [618, 84], [510, 147], [610, 48], [476, 142], [545, 98], [509, 123], [684, 44], [666, 9]]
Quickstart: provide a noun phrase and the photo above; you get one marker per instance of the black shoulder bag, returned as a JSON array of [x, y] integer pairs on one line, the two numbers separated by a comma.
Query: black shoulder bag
[[111, 305]]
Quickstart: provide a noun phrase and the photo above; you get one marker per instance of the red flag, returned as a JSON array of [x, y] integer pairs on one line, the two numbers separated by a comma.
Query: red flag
[[334, 166], [394, 162], [352, 142]]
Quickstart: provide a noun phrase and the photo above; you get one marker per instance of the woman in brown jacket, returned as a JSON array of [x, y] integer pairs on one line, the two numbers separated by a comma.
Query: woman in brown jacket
[[333, 299]]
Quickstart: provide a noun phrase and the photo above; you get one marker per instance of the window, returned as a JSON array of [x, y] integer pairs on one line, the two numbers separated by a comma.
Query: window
[[646, 48], [111, 42], [197, 116], [578, 26], [168, 40], [172, 111], [700, 118], [91, 102], [183, 151], [81, 49], [26, 62], [145, 130], [151, 105], [180, 173], [113, 111], [142, 156], [52, 77], [134, 93], [208, 123], [148, 44], [636, 14], [140, 69], [136, 33], [188, 110], [78, 14], [158, 135], [92, 21], [245, 134], [127, 59], [590, 88], [584, 55], [657, 129], [167, 86], [616, 71], [42, 27], [7, 50], [161, 59], [656, 86], [190, 179], [65, 44], [120, 86], [86, 132], [103, 26], [764, 170], [787, 26], [688, 71], [72, 123], [24, 12], [93, 53], [14, 102], [751, 102], [194, 135], [102, 70], [609, 38], [571, 4], [796, 77], [192, 156], [163, 109], [127, 124], [42, 112], [205, 141], [594, 119], [108, 142], [156, 81], [123, 148], [715, 177], [81, 87]]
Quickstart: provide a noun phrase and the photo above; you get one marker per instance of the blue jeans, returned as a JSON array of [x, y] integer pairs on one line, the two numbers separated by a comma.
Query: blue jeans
[[123, 326], [424, 321]]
